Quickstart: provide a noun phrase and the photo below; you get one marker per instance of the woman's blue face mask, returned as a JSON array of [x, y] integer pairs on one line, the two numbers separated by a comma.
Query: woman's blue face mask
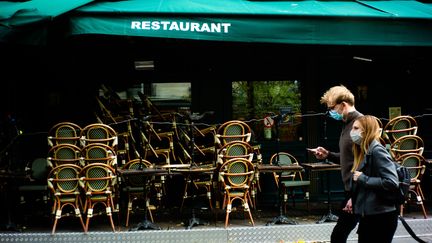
[[335, 115]]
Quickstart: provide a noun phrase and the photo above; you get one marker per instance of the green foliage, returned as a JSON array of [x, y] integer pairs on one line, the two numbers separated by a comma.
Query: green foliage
[[254, 99]]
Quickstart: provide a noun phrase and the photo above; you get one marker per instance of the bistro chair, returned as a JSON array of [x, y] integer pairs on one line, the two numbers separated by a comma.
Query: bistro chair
[[99, 133], [64, 154], [406, 144], [64, 133], [415, 163], [238, 149], [234, 130], [236, 175], [197, 183], [399, 127], [200, 154], [33, 191], [102, 153], [134, 186], [99, 153], [160, 157], [125, 139], [162, 148], [235, 149], [64, 183], [289, 181], [98, 183]]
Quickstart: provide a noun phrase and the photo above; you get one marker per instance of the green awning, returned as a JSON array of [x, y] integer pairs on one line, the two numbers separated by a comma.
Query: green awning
[[337, 22], [386, 22], [27, 22]]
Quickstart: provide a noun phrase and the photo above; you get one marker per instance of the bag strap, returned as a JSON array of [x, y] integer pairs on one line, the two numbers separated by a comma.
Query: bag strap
[[410, 231]]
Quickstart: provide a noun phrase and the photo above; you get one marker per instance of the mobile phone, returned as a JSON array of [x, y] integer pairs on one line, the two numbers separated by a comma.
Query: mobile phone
[[312, 150]]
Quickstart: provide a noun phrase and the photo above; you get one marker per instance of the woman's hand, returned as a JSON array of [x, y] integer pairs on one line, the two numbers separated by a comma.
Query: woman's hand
[[356, 175], [348, 206]]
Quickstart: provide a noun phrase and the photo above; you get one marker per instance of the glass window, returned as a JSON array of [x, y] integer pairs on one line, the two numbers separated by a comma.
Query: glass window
[[171, 91], [166, 96], [257, 99], [171, 96]]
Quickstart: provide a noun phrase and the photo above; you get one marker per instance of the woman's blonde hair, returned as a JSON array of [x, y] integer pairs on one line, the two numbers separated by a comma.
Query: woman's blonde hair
[[370, 131]]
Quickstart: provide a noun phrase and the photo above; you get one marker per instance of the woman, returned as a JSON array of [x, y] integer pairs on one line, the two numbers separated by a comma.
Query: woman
[[374, 176]]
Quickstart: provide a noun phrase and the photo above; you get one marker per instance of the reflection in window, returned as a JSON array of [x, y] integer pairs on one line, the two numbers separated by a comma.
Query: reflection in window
[[166, 96], [171, 97], [171, 91]]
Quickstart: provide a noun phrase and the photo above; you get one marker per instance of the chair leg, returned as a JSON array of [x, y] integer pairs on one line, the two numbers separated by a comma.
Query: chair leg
[[420, 202], [254, 191], [56, 217], [420, 192], [208, 188], [89, 215], [249, 198], [228, 211], [109, 214], [247, 209], [424, 210], [129, 209], [56, 206], [79, 215]]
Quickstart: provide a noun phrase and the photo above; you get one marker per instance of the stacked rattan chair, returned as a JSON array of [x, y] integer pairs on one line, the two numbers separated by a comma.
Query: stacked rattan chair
[[65, 163], [416, 165], [99, 152], [406, 148], [233, 139], [85, 157]]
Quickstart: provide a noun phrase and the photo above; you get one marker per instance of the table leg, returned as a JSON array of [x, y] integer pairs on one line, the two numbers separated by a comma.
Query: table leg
[[194, 221], [281, 219], [146, 224], [329, 217]]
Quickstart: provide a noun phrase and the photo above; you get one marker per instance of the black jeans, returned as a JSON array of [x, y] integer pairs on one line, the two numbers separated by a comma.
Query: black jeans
[[345, 224], [378, 228]]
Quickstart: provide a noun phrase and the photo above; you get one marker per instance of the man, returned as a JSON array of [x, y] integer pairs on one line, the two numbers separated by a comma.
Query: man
[[340, 103]]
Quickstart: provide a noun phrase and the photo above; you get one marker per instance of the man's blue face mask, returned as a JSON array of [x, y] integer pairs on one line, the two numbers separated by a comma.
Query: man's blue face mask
[[333, 114]]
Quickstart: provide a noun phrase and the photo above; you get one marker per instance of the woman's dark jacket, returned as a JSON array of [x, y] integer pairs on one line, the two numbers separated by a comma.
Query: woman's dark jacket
[[379, 179]]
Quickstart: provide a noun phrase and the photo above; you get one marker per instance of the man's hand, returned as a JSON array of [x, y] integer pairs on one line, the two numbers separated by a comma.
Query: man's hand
[[319, 152]]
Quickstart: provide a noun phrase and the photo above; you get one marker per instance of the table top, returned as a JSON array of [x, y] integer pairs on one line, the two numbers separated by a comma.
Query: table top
[[278, 168], [321, 166], [173, 166], [144, 171], [196, 169]]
